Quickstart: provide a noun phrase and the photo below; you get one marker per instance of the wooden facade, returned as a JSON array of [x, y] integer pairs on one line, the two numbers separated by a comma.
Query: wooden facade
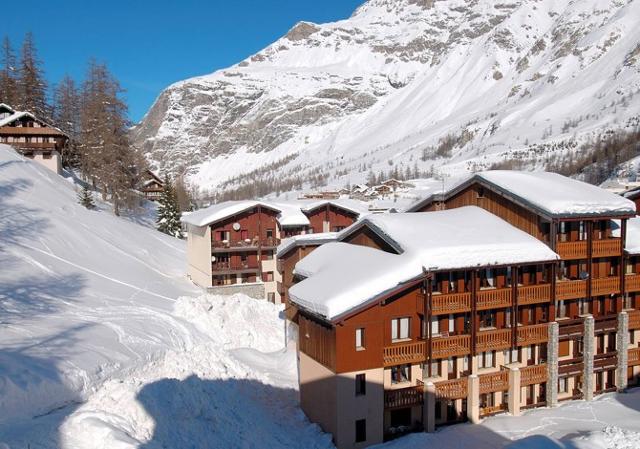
[[330, 218]]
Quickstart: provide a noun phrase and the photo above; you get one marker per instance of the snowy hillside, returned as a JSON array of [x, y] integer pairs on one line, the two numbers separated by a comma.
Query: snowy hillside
[[451, 85]]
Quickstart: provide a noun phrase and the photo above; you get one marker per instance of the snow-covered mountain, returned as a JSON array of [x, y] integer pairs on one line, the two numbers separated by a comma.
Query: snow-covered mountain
[[452, 85]]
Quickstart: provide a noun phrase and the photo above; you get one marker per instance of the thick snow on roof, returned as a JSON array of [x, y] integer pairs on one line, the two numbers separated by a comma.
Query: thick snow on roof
[[341, 276], [291, 215], [305, 239], [459, 238], [13, 117], [632, 244], [221, 211], [557, 194]]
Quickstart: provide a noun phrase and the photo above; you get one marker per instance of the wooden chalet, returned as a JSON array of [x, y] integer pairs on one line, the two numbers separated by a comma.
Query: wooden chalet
[[32, 137], [152, 186], [468, 340]]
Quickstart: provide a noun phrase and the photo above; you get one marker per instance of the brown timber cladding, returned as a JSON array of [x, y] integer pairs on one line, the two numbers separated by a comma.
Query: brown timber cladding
[[317, 341]]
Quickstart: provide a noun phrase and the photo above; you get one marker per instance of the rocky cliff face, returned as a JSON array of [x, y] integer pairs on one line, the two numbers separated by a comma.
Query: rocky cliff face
[[445, 86]]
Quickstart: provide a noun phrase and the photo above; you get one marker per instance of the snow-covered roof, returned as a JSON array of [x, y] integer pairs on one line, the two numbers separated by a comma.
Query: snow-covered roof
[[632, 243], [305, 239], [551, 194], [341, 278], [15, 116], [221, 211], [7, 107], [291, 215]]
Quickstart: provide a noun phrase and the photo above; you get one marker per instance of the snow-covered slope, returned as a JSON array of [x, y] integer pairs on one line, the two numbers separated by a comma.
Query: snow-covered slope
[[408, 82]]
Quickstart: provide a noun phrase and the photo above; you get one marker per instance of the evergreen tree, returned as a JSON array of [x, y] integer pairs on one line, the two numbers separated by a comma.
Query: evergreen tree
[[8, 74], [32, 86], [85, 197], [168, 211]]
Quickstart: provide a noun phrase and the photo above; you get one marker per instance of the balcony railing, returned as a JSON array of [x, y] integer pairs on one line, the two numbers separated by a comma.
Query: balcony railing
[[572, 250], [606, 361], [246, 243], [34, 145], [535, 374], [492, 410], [231, 266], [404, 397], [532, 335], [494, 382], [634, 357], [605, 286], [450, 303], [571, 289], [491, 340], [606, 248], [632, 282], [634, 319], [452, 389], [455, 345], [494, 298], [404, 353], [534, 294]]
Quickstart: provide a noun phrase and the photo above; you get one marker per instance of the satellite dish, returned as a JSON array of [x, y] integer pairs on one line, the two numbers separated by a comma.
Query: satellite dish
[[213, 258], [236, 226]]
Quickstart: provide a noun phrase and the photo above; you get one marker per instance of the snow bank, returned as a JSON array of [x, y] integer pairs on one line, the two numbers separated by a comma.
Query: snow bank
[[632, 243]]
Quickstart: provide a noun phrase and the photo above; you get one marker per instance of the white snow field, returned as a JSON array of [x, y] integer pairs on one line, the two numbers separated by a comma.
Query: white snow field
[[104, 344]]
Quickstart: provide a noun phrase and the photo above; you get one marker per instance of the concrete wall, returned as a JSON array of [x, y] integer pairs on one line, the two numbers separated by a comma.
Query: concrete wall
[[318, 393], [252, 290], [199, 255], [272, 286], [53, 163]]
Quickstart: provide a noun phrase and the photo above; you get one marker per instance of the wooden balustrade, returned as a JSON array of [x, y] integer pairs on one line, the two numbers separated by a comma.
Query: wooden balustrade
[[606, 361], [632, 282], [532, 335], [455, 345], [404, 353], [491, 382], [492, 410], [571, 289], [534, 294], [605, 286], [634, 319], [493, 340], [404, 397], [572, 250], [246, 243], [450, 303], [606, 248], [493, 298], [535, 374], [634, 357], [452, 389]]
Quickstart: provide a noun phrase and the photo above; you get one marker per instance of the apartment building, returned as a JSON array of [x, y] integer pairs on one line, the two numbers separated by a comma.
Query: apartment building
[[526, 303], [232, 246]]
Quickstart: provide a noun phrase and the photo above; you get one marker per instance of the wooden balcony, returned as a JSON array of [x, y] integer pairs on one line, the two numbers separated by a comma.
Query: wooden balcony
[[452, 389], [634, 357], [632, 282], [455, 345], [607, 248], [534, 294], [605, 286], [571, 289], [605, 362], [572, 250], [450, 303], [494, 298], [400, 353], [492, 410], [493, 340], [535, 374], [492, 382], [532, 335], [235, 266], [245, 244], [634, 319], [34, 145], [404, 397]]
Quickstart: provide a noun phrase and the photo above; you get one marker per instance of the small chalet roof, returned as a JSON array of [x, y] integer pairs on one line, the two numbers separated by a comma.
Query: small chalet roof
[[341, 277], [6, 107], [632, 243], [305, 240], [221, 211], [550, 194], [47, 130], [291, 215]]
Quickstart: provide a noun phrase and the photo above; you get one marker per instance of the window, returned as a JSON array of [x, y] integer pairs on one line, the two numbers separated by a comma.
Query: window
[[271, 297], [361, 430], [510, 356], [583, 306], [222, 236], [486, 359], [400, 373], [435, 368], [563, 385], [360, 339], [244, 234], [562, 310], [270, 233], [435, 326], [267, 276], [400, 329], [451, 324], [487, 319], [361, 384], [507, 318]]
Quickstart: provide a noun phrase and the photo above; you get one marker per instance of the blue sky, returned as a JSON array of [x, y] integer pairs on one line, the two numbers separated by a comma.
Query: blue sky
[[150, 44]]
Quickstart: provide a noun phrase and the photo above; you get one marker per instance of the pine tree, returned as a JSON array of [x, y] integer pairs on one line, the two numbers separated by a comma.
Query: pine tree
[[8, 74], [85, 197], [32, 86], [168, 211]]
